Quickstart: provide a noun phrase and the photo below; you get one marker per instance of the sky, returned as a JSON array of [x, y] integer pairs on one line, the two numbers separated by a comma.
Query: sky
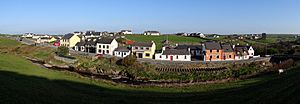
[[166, 16]]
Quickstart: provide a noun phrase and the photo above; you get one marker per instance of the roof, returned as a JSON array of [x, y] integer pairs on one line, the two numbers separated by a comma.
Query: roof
[[82, 43], [144, 44], [192, 47], [68, 36], [212, 45], [105, 40], [151, 31], [241, 49], [175, 52], [125, 30], [227, 48], [122, 49]]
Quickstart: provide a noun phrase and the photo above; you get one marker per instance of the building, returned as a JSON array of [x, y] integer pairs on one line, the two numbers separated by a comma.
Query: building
[[88, 45], [228, 52], [173, 55], [124, 32], [213, 51], [144, 49], [69, 40], [201, 35], [106, 46], [196, 51], [27, 35], [243, 52], [155, 33], [122, 52]]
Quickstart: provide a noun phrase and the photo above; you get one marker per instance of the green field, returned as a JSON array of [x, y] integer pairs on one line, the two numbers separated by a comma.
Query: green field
[[173, 39], [24, 82]]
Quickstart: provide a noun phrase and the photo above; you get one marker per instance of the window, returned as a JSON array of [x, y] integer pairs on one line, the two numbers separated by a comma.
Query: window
[[210, 51], [159, 56], [217, 50], [119, 53], [107, 51], [107, 46], [229, 56], [210, 56], [167, 57], [147, 54], [147, 48], [99, 50], [176, 57], [142, 48], [103, 46], [136, 47], [103, 51], [99, 46], [218, 56], [184, 57]]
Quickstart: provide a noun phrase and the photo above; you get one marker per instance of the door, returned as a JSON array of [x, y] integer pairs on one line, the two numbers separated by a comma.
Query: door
[[171, 58], [140, 55]]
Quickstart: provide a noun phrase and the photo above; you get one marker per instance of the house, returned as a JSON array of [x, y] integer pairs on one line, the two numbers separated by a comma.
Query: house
[[228, 52], [243, 52], [122, 52], [155, 33], [201, 35], [126, 32], [92, 34], [106, 46], [173, 55], [28, 35], [69, 40], [80, 46], [88, 45], [144, 49], [213, 51], [196, 51], [37, 36], [43, 40], [53, 39]]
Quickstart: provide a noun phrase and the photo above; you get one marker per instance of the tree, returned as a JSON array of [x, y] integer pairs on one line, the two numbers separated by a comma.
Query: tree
[[62, 50], [129, 60]]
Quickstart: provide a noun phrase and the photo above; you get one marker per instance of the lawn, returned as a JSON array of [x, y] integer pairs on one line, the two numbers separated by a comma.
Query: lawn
[[173, 39], [24, 82]]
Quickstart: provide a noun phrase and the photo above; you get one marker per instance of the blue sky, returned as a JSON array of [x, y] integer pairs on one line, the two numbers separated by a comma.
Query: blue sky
[[167, 16]]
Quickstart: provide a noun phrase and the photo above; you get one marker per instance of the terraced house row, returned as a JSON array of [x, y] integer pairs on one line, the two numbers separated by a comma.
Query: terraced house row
[[208, 51]]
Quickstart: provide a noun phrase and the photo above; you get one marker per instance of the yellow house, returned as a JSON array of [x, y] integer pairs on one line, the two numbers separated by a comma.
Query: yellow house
[[69, 40], [144, 49], [52, 39]]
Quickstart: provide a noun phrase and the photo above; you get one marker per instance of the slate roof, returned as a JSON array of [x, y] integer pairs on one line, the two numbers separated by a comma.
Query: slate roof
[[143, 44], [227, 48], [212, 46], [151, 31], [241, 49], [192, 47], [175, 52], [122, 49], [68, 36], [82, 43], [105, 40]]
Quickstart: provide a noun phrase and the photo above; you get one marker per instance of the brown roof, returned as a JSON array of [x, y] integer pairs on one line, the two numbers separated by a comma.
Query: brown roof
[[212, 46], [144, 44], [227, 48]]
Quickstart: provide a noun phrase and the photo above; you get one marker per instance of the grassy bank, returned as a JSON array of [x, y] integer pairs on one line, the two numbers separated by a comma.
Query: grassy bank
[[23, 82]]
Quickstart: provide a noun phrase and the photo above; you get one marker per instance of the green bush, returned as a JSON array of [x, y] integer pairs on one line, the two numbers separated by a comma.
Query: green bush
[[129, 60], [63, 51]]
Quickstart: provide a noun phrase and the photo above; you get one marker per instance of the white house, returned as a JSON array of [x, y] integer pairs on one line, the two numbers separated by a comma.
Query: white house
[[122, 52], [106, 46], [126, 32], [173, 55], [243, 52], [28, 35], [156, 33]]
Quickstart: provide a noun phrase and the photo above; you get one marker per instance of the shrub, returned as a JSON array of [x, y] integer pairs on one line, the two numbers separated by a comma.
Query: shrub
[[129, 60], [62, 51]]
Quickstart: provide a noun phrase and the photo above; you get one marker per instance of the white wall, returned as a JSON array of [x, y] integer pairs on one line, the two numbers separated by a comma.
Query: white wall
[[121, 54], [168, 57], [111, 47]]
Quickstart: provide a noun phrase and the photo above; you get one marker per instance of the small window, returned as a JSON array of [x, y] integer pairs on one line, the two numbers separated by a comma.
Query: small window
[[147, 54], [210, 51], [160, 56], [177, 57], [184, 57], [99, 50], [136, 47], [103, 46], [107, 46], [217, 50], [107, 51], [229, 56], [142, 48], [218, 56], [147, 48], [99, 46], [119, 53], [210, 56]]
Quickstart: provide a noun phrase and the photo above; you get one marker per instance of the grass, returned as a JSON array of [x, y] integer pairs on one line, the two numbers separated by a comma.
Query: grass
[[24, 82], [160, 39]]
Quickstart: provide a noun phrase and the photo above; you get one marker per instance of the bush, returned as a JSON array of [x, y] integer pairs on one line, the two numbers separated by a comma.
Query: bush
[[62, 51], [129, 60]]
